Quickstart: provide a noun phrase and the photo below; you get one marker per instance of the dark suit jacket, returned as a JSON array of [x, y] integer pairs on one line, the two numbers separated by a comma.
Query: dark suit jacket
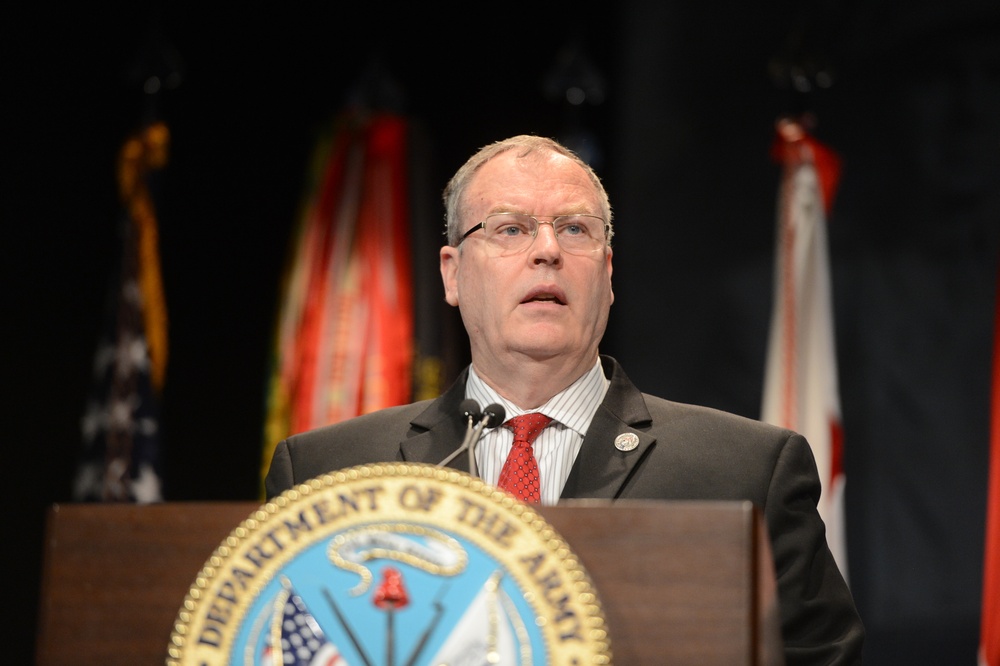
[[685, 452]]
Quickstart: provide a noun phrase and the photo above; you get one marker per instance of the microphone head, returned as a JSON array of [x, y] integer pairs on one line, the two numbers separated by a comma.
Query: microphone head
[[495, 414], [470, 409]]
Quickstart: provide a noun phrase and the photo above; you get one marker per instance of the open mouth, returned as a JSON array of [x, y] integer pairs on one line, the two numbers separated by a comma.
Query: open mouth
[[545, 297]]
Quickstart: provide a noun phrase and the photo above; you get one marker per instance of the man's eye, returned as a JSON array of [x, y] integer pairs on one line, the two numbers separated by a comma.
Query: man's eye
[[511, 230], [572, 230]]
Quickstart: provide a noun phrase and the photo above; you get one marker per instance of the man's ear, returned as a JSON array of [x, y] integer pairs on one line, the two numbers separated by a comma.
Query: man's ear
[[450, 257], [610, 268]]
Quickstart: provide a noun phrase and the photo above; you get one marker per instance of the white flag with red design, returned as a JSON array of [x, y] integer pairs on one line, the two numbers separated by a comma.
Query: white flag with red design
[[800, 383]]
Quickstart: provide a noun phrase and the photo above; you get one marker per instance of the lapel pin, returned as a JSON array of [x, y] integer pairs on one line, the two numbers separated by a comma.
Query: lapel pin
[[626, 441]]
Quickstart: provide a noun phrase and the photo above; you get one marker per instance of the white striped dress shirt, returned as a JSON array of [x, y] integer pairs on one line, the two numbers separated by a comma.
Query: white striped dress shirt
[[556, 448]]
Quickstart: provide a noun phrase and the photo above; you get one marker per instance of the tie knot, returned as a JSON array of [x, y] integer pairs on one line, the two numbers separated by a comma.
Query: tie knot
[[527, 426]]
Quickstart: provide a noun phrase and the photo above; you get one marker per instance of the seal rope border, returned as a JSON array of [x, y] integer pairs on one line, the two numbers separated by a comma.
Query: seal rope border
[[593, 621]]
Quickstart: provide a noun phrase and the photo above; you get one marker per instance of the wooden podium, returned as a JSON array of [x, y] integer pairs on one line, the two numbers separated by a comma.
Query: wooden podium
[[680, 582]]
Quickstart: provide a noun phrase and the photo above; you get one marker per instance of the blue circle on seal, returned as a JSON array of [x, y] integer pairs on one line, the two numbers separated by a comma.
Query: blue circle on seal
[[316, 609]]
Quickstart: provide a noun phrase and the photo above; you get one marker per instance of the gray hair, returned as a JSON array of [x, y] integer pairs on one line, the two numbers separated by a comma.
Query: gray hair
[[525, 144]]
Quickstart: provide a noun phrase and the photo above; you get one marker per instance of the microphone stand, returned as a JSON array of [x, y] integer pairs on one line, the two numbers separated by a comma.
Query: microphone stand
[[492, 417]]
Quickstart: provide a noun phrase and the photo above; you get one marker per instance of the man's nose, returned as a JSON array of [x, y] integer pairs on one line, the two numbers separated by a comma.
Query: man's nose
[[546, 242]]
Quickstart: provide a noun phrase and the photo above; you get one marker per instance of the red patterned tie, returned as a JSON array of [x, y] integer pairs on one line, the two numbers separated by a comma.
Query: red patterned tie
[[520, 473]]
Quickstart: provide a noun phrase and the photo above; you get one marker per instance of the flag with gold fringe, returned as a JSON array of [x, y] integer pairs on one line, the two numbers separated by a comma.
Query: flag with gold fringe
[[120, 460], [801, 385], [343, 344]]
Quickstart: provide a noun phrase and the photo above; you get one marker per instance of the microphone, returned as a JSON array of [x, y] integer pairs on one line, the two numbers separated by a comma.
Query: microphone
[[470, 410], [495, 415], [491, 417]]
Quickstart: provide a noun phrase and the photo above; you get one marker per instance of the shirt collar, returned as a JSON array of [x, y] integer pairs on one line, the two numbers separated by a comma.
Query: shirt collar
[[573, 407]]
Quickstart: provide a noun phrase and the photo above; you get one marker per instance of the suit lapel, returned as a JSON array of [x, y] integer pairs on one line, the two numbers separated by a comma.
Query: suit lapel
[[437, 431], [601, 469]]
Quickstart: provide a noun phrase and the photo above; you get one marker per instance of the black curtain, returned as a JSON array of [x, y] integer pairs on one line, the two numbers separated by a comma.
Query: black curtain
[[913, 109]]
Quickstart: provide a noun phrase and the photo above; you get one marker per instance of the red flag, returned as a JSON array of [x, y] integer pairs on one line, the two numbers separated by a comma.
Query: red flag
[[800, 385], [989, 637], [344, 343]]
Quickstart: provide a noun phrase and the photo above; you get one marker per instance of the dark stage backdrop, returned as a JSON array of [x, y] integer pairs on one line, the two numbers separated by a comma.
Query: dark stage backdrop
[[914, 111], [680, 106]]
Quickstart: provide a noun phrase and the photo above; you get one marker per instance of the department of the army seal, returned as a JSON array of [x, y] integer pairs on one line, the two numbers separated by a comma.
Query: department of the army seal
[[398, 564]]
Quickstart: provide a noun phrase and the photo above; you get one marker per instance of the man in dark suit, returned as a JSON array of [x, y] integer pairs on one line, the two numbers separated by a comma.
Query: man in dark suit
[[528, 264]]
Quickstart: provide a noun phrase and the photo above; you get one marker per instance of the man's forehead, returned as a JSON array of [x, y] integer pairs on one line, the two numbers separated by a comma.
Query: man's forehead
[[515, 158], [512, 166], [541, 182]]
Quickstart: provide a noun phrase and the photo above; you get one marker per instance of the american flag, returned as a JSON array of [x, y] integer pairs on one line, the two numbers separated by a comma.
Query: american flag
[[120, 460], [303, 642]]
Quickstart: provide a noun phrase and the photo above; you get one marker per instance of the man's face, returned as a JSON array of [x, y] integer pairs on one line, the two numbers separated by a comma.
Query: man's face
[[541, 303]]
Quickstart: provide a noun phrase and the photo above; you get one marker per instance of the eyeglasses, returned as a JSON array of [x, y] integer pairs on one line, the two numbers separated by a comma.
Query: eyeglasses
[[512, 233]]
